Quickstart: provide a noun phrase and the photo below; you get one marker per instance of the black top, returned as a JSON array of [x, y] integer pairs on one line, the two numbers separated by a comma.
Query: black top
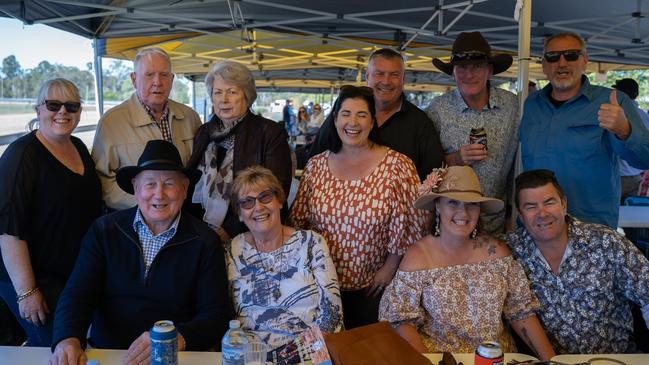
[[408, 131], [47, 205], [258, 141]]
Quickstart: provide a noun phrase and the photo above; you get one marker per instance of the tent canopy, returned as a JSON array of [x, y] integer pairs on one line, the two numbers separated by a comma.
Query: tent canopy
[[296, 43]]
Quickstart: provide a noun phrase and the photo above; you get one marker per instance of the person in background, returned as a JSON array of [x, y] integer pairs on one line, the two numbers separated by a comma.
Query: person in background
[[630, 177], [585, 275], [233, 139], [144, 264], [580, 131], [149, 114], [303, 119], [401, 125], [455, 285], [282, 280], [476, 103], [358, 195], [531, 87], [49, 196], [317, 118]]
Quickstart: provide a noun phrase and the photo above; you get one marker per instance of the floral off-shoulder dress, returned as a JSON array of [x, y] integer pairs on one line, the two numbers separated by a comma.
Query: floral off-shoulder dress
[[456, 308]]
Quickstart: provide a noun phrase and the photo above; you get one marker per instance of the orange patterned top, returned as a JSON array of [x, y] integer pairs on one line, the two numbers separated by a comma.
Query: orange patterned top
[[362, 220]]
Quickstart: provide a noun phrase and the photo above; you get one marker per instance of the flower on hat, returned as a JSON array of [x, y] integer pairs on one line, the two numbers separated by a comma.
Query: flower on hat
[[433, 180]]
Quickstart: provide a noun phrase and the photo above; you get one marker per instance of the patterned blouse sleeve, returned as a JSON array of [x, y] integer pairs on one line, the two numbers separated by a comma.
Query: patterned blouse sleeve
[[408, 224], [299, 215], [632, 271], [330, 316], [520, 302], [401, 302]]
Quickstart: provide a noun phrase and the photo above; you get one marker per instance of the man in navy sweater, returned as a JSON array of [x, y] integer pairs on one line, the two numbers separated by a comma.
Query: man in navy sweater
[[145, 264]]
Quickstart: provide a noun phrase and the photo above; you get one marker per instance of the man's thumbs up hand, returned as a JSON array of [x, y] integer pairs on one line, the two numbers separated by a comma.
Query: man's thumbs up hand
[[611, 117]]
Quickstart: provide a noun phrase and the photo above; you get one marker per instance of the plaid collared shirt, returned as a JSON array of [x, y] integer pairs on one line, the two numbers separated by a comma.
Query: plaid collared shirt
[[152, 244], [163, 124]]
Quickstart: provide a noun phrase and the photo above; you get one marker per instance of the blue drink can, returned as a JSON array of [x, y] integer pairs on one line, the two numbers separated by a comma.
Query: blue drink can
[[164, 346]]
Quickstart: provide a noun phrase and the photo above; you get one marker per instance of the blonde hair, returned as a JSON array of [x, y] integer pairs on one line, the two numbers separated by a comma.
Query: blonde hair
[[258, 178], [69, 89]]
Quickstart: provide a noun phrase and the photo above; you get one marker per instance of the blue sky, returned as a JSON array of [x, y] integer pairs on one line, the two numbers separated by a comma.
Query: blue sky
[[32, 44]]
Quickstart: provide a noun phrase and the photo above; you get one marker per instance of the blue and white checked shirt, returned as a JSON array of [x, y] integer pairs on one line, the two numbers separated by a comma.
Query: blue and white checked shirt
[[152, 244]]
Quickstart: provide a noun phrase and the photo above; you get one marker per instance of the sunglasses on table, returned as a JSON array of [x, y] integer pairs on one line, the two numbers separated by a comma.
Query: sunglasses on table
[[55, 106], [264, 197], [570, 55]]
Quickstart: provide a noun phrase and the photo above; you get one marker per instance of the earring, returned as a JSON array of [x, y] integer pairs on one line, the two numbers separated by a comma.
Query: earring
[[474, 233], [436, 231]]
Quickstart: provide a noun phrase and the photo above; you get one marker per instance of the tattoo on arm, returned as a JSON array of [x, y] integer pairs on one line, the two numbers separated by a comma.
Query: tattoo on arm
[[491, 249], [527, 340]]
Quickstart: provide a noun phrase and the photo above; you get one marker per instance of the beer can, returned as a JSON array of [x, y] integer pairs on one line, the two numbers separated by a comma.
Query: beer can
[[489, 353], [478, 135], [164, 345]]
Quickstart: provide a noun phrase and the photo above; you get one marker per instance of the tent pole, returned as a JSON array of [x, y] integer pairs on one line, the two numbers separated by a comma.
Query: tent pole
[[99, 81], [524, 35]]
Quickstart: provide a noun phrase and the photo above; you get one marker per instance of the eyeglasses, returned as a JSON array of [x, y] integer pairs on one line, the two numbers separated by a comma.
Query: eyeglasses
[[469, 56], [570, 55], [55, 106], [264, 197]]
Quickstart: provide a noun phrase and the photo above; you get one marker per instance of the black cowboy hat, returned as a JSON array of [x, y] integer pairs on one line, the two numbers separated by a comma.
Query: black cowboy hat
[[472, 48], [157, 155]]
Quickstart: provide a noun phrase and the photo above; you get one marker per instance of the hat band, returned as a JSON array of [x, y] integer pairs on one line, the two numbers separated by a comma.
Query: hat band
[[460, 191], [163, 161]]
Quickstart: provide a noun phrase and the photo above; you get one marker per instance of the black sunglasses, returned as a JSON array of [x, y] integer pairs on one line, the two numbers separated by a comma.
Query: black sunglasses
[[469, 56], [264, 197], [55, 106], [570, 55]]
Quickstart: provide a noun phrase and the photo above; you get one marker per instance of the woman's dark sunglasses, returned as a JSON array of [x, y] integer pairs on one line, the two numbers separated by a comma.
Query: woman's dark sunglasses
[[264, 197], [570, 55], [55, 106]]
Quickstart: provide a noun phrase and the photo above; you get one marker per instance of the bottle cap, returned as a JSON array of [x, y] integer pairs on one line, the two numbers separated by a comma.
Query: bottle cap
[[235, 323]]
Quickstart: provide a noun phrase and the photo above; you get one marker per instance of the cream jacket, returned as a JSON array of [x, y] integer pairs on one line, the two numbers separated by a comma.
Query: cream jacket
[[121, 136]]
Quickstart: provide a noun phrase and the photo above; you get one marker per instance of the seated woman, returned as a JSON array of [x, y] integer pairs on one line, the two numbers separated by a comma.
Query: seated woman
[[282, 280], [454, 286]]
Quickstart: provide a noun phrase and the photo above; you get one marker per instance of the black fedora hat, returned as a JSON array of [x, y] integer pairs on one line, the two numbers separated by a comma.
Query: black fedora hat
[[472, 48], [158, 154]]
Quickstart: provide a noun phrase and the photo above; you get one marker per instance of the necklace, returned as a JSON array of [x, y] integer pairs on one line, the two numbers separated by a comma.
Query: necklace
[[268, 279]]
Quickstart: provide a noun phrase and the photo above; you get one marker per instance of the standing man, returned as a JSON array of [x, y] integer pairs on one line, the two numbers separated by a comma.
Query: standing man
[[579, 131], [402, 126], [585, 275], [475, 103], [149, 114], [630, 177]]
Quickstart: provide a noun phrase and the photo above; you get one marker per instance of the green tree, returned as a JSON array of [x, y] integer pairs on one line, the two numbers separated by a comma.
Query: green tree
[[11, 67]]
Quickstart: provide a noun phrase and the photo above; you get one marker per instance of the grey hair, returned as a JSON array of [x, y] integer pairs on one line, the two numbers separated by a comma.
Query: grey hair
[[388, 54], [68, 89], [561, 35], [150, 51], [233, 73]]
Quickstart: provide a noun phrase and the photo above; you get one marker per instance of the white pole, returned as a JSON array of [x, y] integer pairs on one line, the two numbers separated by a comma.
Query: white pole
[[524, 31]]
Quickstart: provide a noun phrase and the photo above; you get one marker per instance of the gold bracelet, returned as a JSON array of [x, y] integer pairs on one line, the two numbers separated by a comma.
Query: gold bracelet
[[24, 295]]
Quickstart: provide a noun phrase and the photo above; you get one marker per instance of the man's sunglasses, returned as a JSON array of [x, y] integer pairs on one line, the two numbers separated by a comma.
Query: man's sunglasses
[[55, 106], [469, 56], [570, 55], [264, 197]]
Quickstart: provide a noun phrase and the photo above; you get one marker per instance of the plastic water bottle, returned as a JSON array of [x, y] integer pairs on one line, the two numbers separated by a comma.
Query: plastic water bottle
[[232, 344]]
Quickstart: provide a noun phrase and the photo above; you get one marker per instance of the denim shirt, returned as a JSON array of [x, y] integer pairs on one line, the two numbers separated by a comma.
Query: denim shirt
[[569, 141]]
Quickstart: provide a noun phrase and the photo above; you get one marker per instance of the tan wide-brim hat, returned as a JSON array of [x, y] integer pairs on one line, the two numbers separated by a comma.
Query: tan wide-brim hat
[[458, 183]]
